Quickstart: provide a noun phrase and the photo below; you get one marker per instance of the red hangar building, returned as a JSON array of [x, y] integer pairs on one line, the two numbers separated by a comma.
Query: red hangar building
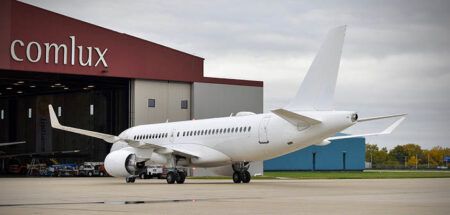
[[100, 80]]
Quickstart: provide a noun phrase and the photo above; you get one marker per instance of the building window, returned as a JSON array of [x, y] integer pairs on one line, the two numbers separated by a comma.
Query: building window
[[59, 111], [30, 113], [151, 103], [2, 114], [184, 104]]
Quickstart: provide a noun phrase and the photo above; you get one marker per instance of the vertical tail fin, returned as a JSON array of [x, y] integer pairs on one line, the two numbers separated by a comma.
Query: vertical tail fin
[[317, 89]]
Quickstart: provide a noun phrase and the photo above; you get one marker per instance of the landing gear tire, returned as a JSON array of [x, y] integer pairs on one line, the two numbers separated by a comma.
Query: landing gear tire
[[237, 177], [172, 177], [130, 179], [181, 177], [143, 176], [246, 177]]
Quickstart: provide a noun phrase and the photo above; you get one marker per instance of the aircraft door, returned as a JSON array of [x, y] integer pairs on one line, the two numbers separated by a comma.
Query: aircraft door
[[172, 135], [263, 132]]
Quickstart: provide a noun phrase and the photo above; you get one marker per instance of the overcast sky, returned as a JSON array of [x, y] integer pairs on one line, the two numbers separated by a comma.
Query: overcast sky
[[396, 56]]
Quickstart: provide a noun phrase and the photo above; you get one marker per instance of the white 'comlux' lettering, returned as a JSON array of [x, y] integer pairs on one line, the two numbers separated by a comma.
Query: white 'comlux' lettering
[[48, 48], [13, 49], [38, 48], [31, 46]]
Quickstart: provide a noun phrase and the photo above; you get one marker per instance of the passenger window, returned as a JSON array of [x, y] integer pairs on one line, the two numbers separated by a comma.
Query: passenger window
[[249, 128], [220, 131], [178, 134]]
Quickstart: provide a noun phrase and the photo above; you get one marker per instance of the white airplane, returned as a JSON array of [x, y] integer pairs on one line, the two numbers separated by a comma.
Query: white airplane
[[237, 140]]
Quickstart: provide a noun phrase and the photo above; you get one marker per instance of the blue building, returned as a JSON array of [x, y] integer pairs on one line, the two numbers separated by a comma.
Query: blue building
[[347, 154]]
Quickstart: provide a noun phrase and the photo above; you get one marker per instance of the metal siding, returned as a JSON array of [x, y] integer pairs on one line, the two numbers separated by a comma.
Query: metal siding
[[328, 157], [167, 95], [220, 100]]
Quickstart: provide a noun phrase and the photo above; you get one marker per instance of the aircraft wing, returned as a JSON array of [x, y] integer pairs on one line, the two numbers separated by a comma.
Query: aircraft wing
[[12, 143], [176, 149], [164, 149], [32, 154]]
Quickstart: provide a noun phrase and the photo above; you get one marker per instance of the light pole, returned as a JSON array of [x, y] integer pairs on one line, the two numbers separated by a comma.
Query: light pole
[[371, 162], [405, 161], [428, 165], [417, 161]]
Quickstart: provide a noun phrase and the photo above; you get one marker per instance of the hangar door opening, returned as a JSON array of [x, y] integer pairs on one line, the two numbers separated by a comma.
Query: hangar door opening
[[93, 103]]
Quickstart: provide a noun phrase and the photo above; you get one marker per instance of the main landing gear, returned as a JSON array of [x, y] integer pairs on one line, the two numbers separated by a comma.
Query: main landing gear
[[176, 176], [241, 173]]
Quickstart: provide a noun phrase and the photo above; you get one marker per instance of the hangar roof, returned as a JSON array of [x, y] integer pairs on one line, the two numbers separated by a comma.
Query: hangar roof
[[37, 40]]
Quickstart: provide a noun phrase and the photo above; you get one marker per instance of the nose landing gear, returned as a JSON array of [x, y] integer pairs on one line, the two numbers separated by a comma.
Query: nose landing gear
[[130, 179]]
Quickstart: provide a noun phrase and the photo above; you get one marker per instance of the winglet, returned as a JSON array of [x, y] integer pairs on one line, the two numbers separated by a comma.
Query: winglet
[[53, 119], [55, 124]]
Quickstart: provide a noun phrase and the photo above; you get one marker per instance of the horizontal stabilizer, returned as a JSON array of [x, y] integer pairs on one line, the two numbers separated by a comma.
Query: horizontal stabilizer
[[380, 117], [388, 130], [295, 118]]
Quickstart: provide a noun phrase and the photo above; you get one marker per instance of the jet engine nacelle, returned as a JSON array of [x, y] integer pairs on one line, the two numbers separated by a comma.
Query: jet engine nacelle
[[122, 163]]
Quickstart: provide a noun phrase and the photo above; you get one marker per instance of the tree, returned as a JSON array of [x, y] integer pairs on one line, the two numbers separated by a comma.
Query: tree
[[412, 161], [413, 150], [371, 149], [437, 154], [398, 154]]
